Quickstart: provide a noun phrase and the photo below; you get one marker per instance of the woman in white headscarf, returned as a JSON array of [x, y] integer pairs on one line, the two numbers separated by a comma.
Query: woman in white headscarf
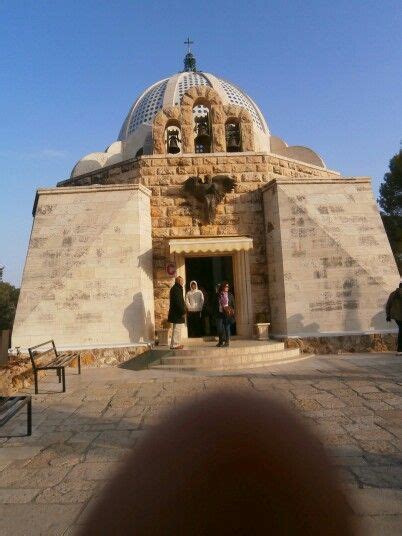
[[194, 305]]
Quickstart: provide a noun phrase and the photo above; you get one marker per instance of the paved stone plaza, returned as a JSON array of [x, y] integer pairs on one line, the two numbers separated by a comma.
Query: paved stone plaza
[[48, 482]]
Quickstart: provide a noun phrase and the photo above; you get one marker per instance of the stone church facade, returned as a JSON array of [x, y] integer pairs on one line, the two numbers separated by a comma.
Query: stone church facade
[[303, 247]]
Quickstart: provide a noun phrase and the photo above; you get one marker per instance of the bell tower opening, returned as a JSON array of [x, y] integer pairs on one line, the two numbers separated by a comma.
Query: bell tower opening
[[202, 128], [173, 139], [233, 136]]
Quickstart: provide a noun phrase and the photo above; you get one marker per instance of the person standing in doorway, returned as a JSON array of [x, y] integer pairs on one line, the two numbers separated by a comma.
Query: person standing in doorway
[[194, 305], [393, 310], [225, 315], [177, 311]]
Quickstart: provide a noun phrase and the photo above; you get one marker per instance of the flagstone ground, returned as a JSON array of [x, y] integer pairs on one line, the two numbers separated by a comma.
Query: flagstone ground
[[49, 481]]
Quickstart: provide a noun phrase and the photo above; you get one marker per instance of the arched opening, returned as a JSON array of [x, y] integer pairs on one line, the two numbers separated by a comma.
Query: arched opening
[[202, 128], [233, 136], [173, 138], [140, 152]]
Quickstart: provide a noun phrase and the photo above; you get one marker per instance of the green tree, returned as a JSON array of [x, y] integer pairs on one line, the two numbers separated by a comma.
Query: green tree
[[8, 304], [390, 199]]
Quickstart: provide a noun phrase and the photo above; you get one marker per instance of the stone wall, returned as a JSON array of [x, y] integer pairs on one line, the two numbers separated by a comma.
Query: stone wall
[[88, 274], [241, 212], [345, 344], [330, 265], [18, 375]]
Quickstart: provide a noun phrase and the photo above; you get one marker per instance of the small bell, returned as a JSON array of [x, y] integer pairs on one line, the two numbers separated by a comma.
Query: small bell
[[173, 142], [233, 145], [203, 129], [201, 126]]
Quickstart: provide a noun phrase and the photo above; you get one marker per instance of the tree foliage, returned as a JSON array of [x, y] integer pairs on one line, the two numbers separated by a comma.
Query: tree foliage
[[390, 199], [8, 304], [393, 228]]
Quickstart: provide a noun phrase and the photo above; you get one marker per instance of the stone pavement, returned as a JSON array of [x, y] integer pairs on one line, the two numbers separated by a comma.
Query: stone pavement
[[50, 481]]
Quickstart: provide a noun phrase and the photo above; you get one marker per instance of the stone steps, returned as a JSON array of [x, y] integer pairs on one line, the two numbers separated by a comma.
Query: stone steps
[[236, 348], [240, 355]]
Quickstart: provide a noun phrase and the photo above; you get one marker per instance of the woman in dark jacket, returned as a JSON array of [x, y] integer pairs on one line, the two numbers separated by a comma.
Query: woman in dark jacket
[[177, 311], [225, 314]]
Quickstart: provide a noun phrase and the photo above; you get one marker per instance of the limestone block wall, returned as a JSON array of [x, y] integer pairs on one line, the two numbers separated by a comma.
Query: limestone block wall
[[330, 265], [241, 212], [87, 280]]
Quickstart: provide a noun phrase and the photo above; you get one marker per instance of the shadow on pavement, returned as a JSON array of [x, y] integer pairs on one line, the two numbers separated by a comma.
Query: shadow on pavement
[[145, 360]]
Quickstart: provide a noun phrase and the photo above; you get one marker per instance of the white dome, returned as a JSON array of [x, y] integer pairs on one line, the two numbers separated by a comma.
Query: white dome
[[169, 92], [135, 136]]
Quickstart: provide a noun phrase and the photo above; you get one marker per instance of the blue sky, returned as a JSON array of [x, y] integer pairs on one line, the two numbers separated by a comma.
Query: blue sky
[[325, 74]]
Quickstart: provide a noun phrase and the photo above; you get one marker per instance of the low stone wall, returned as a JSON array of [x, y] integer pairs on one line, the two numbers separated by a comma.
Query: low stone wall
[[18, 374], [377, 342]]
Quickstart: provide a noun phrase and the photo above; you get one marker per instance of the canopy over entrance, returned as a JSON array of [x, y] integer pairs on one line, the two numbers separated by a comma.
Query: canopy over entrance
[[210, 244]]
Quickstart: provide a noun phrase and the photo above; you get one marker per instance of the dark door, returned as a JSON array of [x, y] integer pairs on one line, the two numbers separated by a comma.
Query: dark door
[[209, 272]]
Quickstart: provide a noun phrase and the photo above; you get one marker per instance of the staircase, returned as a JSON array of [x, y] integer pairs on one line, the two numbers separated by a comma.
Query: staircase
[[241, 354]]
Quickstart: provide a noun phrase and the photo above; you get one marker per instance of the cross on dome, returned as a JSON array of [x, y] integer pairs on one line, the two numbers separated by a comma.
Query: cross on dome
[[189, 59], [188, 43]]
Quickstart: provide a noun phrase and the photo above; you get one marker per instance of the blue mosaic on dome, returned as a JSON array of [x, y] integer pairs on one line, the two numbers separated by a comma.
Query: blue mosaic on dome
[[146, 108], [188, 80], [236, 96], [148, 105]]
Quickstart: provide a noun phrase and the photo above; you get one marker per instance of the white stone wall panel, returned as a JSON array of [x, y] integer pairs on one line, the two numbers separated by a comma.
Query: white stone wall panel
[[337, 262], [86, 280]]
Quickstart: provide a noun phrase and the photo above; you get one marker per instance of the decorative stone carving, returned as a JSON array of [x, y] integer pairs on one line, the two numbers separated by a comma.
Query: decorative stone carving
[[209, 192]]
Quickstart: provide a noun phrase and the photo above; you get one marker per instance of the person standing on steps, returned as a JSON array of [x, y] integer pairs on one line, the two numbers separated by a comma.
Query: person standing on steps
[[194, 305], [225, 315], [393, 310], [177, 311]]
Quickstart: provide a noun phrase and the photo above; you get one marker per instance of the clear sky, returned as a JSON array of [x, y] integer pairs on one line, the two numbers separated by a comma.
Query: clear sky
[[325, 74]]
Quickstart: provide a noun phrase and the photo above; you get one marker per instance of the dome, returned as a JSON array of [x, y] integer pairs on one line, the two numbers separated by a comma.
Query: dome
[[135, 137], [169, 92]]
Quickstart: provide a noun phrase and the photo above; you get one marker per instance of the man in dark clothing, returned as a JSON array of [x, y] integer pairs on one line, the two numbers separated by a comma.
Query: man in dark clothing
[[177, 311], [393, 310]]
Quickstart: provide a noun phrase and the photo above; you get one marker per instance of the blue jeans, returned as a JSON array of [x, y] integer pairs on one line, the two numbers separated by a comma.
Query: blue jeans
[[223, 328]]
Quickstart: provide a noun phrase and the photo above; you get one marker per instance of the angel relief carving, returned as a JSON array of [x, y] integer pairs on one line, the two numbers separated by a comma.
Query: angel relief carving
[[208, 192]]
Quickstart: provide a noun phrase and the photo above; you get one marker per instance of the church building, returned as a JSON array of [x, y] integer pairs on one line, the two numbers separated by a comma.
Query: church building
[[196, 185]]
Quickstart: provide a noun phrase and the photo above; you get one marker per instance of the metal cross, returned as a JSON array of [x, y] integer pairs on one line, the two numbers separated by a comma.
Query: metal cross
[[188, 43]]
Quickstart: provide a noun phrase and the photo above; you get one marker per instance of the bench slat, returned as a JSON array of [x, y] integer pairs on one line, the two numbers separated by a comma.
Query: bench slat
[[41, 344], [59, 362], [10, 407]]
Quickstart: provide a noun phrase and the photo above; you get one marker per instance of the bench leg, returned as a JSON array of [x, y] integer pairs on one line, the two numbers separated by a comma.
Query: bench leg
[[36, 381], [29, 417], [79, 363], [63, 376], [58, 374]]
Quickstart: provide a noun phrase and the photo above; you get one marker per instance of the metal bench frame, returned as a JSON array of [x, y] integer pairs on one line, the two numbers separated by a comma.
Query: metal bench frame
[[58, 363], [10, 405]]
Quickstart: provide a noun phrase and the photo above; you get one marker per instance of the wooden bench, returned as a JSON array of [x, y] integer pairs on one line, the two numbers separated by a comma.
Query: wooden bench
[[10, 405], [57, 362]]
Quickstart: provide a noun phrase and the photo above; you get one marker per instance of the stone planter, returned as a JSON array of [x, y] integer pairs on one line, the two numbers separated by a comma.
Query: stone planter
[[262, 330], [163, 336]]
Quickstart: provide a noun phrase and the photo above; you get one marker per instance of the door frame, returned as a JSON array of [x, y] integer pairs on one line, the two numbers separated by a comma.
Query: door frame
[[242, 286]]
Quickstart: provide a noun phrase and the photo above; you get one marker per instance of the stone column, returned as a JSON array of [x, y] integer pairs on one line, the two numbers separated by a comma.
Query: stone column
[[181, 271], [244, 307]]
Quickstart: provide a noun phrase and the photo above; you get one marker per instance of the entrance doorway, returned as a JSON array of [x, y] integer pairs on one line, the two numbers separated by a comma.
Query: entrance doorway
[[209, 272]]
